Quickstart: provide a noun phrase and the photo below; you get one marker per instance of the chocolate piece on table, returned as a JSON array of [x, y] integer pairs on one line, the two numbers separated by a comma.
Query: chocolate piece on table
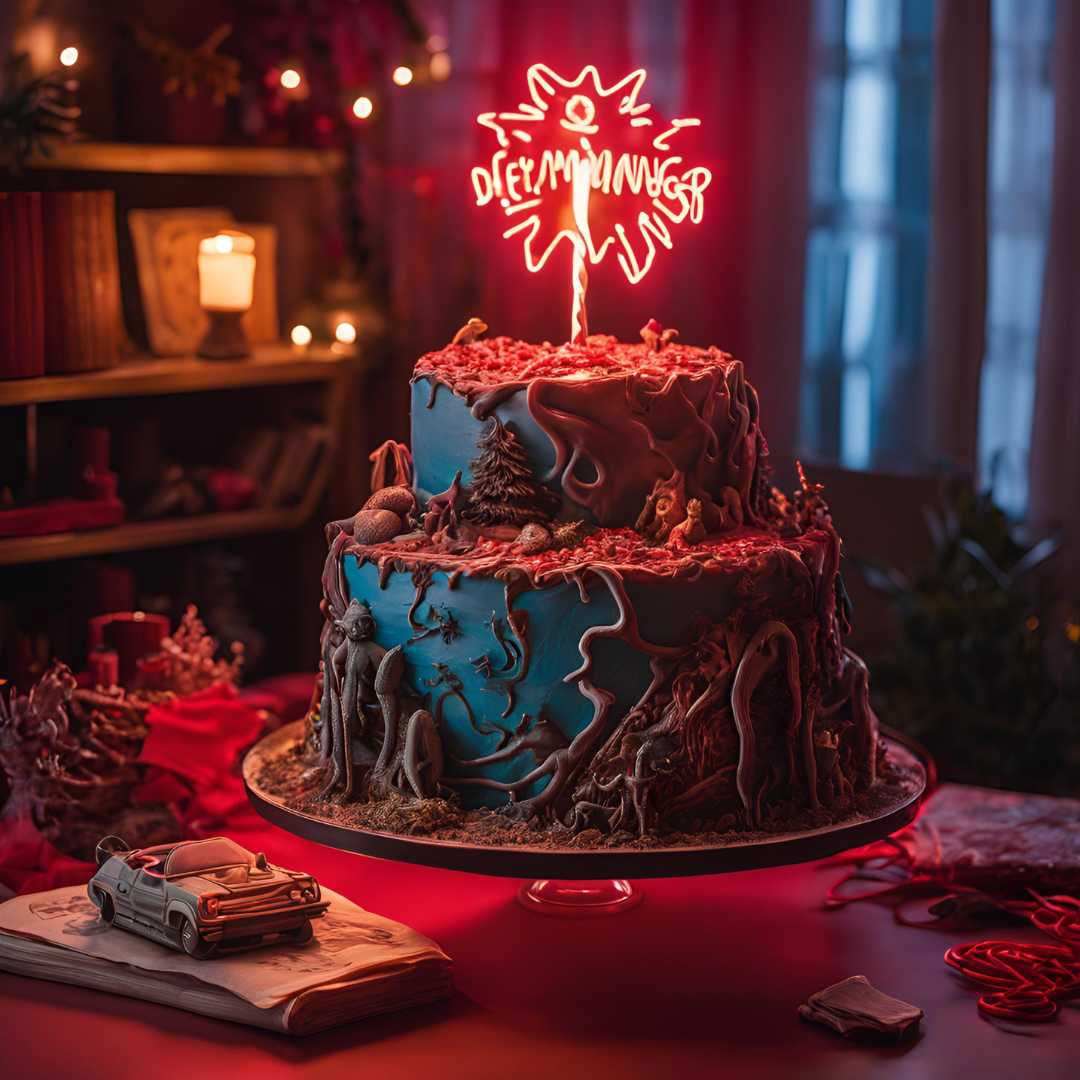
[[856, 1009]]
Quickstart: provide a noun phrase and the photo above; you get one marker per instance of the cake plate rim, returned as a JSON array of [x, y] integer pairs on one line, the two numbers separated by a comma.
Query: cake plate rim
[[585, 864]]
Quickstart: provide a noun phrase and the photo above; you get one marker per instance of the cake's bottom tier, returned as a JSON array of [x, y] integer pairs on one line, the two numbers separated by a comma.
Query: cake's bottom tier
[[610, 697]]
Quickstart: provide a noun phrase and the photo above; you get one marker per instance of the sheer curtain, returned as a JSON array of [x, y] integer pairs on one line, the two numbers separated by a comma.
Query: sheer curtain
[[1020, 169], [1055, 437], [864, 332]]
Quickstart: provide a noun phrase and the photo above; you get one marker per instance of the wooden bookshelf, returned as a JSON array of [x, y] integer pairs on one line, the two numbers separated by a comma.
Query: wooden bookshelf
[[163, 159], [167, 532], [270, 365]]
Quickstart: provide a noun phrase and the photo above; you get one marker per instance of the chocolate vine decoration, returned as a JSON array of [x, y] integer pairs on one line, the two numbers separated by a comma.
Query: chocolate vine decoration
[[565, 762], [442, 621]]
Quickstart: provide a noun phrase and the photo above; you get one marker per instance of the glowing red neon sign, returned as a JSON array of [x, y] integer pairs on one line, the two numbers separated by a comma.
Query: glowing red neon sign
[[537, 158]]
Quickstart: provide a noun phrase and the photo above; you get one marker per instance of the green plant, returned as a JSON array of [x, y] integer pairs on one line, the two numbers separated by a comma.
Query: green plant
[[986, 667]]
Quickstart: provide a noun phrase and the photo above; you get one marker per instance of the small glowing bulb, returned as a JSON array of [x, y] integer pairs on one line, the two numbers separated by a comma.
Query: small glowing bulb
[[69, 57], [363, 107], [436, 43], [345, 332], [223, 244], [291, 78], [440, 67], [300, 334], [402, 75]]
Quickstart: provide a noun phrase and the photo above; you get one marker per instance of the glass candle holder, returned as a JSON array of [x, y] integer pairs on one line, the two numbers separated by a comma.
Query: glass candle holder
[[226, 287]]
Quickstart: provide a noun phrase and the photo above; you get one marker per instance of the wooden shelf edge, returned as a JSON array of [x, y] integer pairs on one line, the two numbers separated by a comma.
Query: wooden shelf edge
[[169, 532], [140, 536], [272, 365], [167, 159]]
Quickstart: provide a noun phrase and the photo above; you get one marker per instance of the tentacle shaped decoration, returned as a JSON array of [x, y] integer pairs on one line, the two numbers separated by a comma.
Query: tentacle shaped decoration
[[760, 654], [564, 763], [857, 675]]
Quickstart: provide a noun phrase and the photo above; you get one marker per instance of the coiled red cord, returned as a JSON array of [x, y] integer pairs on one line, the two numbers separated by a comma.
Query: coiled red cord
[[1026, 982]]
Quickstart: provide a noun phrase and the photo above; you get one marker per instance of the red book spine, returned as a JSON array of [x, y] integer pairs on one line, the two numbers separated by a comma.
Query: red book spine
[[10, 362], [20, 286], [38, 271]]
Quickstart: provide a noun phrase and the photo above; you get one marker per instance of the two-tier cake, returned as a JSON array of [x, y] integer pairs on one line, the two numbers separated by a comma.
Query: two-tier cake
[[579, 606]]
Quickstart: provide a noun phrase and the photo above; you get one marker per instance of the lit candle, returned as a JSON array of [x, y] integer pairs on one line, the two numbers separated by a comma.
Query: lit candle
[[344, 343], [226, 282], [300, 335], [226, 271]]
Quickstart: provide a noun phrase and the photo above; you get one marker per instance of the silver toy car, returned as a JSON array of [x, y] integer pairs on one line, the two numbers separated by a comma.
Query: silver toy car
[[202, 896]]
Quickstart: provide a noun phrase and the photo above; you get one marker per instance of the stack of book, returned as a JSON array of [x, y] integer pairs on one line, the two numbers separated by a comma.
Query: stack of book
[[357, 965], [59, 282], [82, 280]]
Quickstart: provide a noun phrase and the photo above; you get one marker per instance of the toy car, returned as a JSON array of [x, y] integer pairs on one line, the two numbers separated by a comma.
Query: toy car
[[202, 896]]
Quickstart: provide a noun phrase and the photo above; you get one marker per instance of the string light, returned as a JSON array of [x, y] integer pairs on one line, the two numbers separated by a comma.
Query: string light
[[402, 75], [291, 78], [345, 332], [69, 57], [439, 66], [436, 43], [363, 107], [300, 335]]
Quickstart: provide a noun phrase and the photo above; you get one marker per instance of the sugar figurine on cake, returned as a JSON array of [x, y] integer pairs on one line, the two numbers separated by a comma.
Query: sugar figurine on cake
[[575, 610]]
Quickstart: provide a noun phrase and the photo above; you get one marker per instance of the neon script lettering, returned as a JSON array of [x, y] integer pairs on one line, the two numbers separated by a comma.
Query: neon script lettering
[[545, 147]]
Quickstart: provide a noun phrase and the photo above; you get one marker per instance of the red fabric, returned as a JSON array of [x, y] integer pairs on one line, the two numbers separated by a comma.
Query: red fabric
[[192, 751], [29, 863]]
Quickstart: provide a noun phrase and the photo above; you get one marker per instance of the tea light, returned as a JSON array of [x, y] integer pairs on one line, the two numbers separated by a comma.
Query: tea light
[[226, 284], [300, 335]]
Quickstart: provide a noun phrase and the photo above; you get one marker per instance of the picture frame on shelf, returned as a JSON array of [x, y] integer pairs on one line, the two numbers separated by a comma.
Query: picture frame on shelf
[[166, 253]]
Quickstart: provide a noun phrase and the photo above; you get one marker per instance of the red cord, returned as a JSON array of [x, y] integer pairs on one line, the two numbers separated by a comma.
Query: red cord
[[1027, 982], [1020, 981]]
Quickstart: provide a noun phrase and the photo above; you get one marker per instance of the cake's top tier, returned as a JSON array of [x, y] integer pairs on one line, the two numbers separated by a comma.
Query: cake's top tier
[[471, 370], [603, 426]]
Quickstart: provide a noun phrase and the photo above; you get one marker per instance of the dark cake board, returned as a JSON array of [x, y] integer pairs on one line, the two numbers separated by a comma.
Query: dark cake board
[[572, 864]]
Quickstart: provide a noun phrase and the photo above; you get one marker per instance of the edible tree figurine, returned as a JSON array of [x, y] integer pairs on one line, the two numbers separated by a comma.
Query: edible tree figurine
[[504, 490]]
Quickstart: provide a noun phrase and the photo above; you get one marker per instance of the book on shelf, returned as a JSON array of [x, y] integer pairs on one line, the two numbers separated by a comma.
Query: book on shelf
[[22, 320], [357, 965], [81, 280]]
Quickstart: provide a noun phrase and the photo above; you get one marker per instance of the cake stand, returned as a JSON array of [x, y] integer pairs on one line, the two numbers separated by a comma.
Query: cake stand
[[589, 881]]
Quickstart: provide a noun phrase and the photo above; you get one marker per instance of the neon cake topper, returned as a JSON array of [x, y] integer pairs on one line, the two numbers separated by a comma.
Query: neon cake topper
[[546, 146]]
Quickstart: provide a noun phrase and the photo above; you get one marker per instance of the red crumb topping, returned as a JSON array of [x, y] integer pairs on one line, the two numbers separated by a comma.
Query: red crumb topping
[[622, 549], [497, 361]]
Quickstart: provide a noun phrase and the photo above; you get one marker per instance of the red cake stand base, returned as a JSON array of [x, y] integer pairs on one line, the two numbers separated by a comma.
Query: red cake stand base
[[579, 882]]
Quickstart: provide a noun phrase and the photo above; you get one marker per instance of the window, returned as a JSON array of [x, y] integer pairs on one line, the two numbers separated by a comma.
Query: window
[[866, 257], [1021, 158]]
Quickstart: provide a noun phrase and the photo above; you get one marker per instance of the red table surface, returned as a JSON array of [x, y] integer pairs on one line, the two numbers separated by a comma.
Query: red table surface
[[702, 979]]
